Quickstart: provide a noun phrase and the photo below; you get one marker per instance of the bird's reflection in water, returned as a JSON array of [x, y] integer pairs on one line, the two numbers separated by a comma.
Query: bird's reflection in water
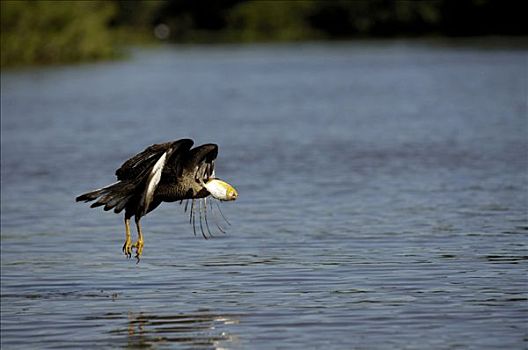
[[202, 330]]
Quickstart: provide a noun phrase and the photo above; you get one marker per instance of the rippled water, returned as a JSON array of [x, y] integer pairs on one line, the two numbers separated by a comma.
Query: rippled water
[[383, 199]]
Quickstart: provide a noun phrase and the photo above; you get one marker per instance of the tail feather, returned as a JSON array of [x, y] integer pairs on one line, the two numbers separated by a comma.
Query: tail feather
[[121, 205], [89, 196], [112, 202], [115, 196], [118, 202], [104, 199]]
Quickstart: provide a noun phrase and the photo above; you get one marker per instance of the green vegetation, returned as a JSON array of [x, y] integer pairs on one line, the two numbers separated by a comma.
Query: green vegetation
[[45, 31], [270, 21], [51, 31]]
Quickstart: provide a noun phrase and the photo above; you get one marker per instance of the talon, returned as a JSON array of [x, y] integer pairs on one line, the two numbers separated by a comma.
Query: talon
[[127, 248], [139, 243], [139, 249]]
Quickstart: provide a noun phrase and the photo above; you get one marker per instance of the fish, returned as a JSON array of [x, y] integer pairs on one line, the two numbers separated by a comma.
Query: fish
[[221, 190]]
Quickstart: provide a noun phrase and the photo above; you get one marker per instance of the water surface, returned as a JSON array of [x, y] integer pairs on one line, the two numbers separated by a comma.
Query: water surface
[[383, 199]]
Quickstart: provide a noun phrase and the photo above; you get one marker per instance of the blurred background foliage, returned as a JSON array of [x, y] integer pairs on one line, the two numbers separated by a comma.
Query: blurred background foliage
[[45, 31], [51, 31]]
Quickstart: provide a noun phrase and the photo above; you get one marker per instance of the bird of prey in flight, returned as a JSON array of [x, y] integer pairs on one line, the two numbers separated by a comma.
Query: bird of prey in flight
[[166, 172]]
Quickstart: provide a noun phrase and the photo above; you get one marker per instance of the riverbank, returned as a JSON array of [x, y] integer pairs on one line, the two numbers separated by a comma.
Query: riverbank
[[55, 32]]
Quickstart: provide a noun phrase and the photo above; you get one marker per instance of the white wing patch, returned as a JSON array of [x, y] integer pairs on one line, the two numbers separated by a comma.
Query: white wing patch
[[152, 182]]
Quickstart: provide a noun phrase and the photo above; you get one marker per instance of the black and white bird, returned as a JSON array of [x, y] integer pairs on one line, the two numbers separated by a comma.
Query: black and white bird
[[165, 172]]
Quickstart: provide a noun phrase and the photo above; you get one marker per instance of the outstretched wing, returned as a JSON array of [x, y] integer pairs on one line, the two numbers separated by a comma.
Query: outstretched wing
[[147, 167], [142, 162], [199, 162]]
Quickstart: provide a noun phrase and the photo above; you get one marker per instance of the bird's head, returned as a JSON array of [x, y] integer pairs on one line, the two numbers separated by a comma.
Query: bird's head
[[221, 190]]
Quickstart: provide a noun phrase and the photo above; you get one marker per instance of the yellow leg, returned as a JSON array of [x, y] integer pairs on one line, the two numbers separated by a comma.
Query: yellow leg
[[139, 243], [127, 247]]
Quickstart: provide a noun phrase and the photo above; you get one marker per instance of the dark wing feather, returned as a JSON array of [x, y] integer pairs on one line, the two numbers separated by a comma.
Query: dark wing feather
[[200, 161], [142, 162], [197, 163], [152, 164], [139, 177]]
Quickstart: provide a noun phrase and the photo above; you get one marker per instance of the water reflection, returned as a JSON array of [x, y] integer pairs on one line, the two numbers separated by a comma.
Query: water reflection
[[202, 329]]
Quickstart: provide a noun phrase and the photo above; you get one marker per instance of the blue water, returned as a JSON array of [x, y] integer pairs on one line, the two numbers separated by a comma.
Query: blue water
[[383, 197]]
